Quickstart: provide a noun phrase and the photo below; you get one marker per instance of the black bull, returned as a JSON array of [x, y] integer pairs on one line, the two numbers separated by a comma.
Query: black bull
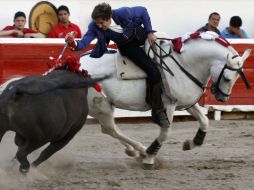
[[42, 109]]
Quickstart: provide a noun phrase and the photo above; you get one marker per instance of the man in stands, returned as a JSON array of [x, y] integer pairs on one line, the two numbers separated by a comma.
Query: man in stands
[[64, 25], [212, 25], [234, 29], [18, 30]]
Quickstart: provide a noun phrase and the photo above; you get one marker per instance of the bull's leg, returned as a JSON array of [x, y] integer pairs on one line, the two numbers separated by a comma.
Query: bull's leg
[[153, 149], [22, 153], [19, 141], [201, 133], [53, 147]]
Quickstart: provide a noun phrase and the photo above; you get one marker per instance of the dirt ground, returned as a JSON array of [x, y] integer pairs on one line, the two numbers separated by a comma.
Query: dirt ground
[[93, 160]]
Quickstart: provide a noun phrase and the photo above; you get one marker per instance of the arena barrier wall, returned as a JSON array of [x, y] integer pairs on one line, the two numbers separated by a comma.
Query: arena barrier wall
[[22, 57]]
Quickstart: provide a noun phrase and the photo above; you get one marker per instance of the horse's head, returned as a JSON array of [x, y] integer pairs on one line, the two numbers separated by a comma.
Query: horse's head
[[224, 80]]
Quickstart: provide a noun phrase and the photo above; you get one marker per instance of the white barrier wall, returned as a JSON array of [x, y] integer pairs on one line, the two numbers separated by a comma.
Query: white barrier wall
[[175, 17]]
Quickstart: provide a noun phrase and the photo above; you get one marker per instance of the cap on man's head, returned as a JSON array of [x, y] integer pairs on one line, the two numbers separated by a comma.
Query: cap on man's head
[[19, 14], [63, 8]]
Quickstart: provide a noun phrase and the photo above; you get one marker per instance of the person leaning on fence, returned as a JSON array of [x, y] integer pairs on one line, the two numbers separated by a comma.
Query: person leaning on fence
[[64, 25], [234, 29], [124, 27], [18, 29], [213, 23]]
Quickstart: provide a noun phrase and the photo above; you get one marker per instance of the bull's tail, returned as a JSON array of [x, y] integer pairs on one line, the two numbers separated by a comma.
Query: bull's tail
[[47, 86]]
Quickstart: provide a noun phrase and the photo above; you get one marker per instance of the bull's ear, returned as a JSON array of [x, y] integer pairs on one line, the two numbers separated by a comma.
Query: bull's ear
[[246, 54]]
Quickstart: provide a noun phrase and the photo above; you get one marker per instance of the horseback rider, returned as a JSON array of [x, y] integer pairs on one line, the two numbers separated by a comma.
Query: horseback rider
[[124, 27]]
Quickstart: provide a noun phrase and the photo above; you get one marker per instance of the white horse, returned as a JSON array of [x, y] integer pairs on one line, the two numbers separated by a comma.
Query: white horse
[[185, 78]]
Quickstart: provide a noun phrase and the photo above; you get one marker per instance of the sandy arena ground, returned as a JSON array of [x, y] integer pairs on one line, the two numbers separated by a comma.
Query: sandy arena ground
[[93, 160]]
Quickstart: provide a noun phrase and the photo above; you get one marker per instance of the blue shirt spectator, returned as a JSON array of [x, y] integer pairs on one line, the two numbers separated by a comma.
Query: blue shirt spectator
[[234, 30]]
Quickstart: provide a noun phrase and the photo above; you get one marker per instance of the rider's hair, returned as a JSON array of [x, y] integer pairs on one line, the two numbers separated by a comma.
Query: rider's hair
[[103, 11], [213, 13], [63, 8], [19, 14], [235, 21]]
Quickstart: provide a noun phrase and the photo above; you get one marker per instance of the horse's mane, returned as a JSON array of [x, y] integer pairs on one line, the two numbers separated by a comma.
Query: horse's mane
[[178, 43]]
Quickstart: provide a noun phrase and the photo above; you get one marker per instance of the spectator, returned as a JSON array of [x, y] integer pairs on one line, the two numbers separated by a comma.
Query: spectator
[[234, 30], [18, 29], [64, 25], [213, 22]]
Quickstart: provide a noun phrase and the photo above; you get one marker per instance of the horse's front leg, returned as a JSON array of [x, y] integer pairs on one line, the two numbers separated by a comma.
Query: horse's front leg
[[198, 140], [153, 149]]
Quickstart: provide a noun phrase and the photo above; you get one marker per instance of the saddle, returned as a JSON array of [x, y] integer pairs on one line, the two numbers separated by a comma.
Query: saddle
[[127, 70]]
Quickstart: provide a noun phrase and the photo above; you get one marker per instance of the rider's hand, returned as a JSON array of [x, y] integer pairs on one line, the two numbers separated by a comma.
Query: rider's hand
[[69, 38], [151, 38]]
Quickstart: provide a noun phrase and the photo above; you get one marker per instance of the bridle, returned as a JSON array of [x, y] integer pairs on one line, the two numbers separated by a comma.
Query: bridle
[[215, 87]]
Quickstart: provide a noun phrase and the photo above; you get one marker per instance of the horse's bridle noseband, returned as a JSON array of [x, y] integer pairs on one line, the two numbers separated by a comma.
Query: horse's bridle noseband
[[216, 85]]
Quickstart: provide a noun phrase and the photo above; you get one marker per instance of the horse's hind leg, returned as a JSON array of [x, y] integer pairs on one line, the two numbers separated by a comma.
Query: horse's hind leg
[[201, 133], [108, 126]]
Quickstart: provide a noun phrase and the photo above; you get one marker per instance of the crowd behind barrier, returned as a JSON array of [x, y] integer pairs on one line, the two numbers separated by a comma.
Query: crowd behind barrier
[[64, 26]]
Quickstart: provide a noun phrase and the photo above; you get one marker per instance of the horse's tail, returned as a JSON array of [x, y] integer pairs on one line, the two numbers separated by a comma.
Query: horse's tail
[[36, 88]]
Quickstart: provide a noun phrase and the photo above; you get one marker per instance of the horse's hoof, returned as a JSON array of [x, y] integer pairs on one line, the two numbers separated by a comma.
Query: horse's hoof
[[187, 145], [131, 153], [148, 166]]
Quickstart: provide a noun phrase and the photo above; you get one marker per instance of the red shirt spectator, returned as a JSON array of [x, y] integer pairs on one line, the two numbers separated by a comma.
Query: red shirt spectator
[[18, 29], [60, 31], [24, 30], [64, 25]]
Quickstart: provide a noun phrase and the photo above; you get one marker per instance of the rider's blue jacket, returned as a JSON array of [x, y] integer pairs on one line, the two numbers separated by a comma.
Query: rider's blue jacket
[[129, 18]]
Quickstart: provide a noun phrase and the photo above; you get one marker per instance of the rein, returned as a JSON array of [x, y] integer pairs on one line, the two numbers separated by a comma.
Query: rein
[[162, 64], [166, 68]]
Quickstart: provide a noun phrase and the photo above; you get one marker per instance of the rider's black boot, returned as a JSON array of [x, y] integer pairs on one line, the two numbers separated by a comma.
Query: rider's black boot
[[159, 115]]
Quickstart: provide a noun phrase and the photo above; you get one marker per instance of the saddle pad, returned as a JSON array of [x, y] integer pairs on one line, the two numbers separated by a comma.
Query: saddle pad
[[127, 70]]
